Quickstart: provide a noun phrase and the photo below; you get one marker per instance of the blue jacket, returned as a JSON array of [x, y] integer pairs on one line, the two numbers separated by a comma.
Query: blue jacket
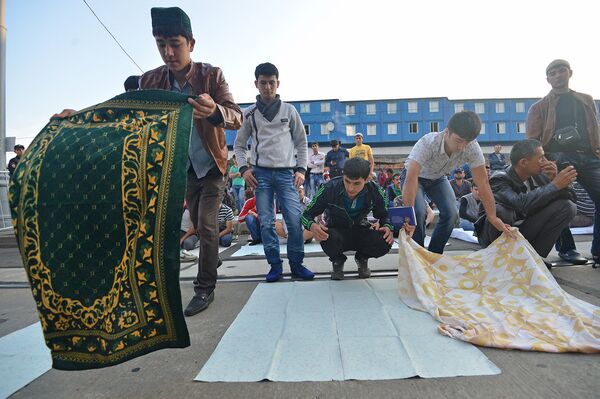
[[497, 161], [338, 157]]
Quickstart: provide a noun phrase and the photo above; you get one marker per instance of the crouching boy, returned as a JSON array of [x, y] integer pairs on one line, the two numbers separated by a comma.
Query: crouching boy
[[346, 201]]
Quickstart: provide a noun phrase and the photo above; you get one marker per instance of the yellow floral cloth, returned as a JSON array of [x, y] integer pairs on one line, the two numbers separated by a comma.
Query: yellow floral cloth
[[502, 296]]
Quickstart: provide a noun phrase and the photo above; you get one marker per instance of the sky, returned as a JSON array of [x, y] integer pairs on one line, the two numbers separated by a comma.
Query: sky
[[59, 56]]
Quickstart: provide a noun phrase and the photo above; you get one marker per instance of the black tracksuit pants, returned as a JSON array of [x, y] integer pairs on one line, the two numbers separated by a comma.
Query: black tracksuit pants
[[367, 243]]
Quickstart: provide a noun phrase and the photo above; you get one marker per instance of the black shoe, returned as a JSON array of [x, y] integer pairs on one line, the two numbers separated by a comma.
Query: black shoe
[[219, 263], [363, 268], [199, 303], [255, 242], [596, 261], [548, 265], [338, 270], [573, 257]]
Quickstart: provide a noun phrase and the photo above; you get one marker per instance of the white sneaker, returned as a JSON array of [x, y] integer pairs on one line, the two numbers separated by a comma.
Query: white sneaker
[[187, 256]]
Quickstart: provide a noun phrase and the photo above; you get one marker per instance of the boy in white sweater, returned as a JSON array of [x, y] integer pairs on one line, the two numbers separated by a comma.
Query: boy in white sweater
[[278, 157]]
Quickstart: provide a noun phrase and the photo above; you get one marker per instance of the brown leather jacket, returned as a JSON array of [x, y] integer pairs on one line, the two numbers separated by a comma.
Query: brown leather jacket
[[204, 78], [542, 115]]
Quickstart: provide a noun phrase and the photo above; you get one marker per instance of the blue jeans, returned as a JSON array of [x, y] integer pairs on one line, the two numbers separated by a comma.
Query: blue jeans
[[316, 179], [441, 193], [253, 225], [588, 175], [239, 192], [225, 241], [190, 242], [466, 225], [280, 182]]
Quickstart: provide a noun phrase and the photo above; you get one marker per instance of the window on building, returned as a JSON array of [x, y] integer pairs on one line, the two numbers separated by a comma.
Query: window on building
[[350, 109], [520, 106], [499, 108], [434, 106], [307, 129], [459, 107], [480, 108], [371, 129], [520, 127], [350, 130], [482, 131], [413, 128], [392, 108], [304, 108], [413, 107], [392, 128], [500, 127], [324, 129], [371, 109], [434, 126], [325, 107]]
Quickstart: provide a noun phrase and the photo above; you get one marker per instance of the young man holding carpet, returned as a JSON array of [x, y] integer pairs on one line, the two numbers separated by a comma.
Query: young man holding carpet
[[214, 111]]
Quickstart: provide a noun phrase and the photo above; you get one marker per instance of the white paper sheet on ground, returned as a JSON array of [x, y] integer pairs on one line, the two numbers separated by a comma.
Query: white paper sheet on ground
[[464, 235], [258, 250], [24, 356], [582, 230], [337, 330]]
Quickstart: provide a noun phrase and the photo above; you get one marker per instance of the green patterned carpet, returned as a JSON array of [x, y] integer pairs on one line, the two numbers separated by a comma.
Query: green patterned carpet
[[96, 203]]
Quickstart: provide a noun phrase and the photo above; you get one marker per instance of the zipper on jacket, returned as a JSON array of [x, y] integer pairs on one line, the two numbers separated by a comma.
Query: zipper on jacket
[[255, 136]]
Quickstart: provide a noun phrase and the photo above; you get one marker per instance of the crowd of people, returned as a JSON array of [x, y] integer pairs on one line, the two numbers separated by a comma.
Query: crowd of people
[[339, 199]]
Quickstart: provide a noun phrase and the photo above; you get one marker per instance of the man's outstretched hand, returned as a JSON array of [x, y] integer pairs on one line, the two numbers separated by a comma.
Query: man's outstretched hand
[[64, 114], [502, 227]]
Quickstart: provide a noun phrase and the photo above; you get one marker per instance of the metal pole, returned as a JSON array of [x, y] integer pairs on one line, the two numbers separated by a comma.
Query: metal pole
[[2, 84]]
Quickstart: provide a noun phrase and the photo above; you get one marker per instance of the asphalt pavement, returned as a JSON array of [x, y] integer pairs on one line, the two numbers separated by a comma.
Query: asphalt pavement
[[169, 373]]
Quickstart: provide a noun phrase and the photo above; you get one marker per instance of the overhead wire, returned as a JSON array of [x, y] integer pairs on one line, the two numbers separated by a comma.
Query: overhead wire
[[125, 51], [111, 35]]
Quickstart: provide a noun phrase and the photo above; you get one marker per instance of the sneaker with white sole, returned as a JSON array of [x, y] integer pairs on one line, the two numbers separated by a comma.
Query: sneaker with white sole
[[186, 256]]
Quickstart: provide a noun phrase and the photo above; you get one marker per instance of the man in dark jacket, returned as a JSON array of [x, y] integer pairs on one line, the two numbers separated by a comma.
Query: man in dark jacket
[[459, 184], [12, 164], [532, 196], [348, 200], [497, 159], [335, 159], [566, 122]]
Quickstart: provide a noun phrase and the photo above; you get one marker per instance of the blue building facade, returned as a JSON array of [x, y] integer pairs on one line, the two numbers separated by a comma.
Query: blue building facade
[[401, 122]]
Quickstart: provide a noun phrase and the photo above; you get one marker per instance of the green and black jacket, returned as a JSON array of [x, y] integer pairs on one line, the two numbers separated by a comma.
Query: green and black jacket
[[330, 198]]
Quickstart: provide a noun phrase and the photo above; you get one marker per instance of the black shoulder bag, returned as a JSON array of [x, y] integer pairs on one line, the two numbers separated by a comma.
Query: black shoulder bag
[[569, 135]]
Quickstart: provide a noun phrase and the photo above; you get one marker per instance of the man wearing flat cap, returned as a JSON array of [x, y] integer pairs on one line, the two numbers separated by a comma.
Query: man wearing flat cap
[[566, 122], [214, 111]]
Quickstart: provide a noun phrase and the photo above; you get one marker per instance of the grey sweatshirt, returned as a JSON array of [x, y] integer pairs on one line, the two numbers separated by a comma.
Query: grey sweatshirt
[[276, 143]]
